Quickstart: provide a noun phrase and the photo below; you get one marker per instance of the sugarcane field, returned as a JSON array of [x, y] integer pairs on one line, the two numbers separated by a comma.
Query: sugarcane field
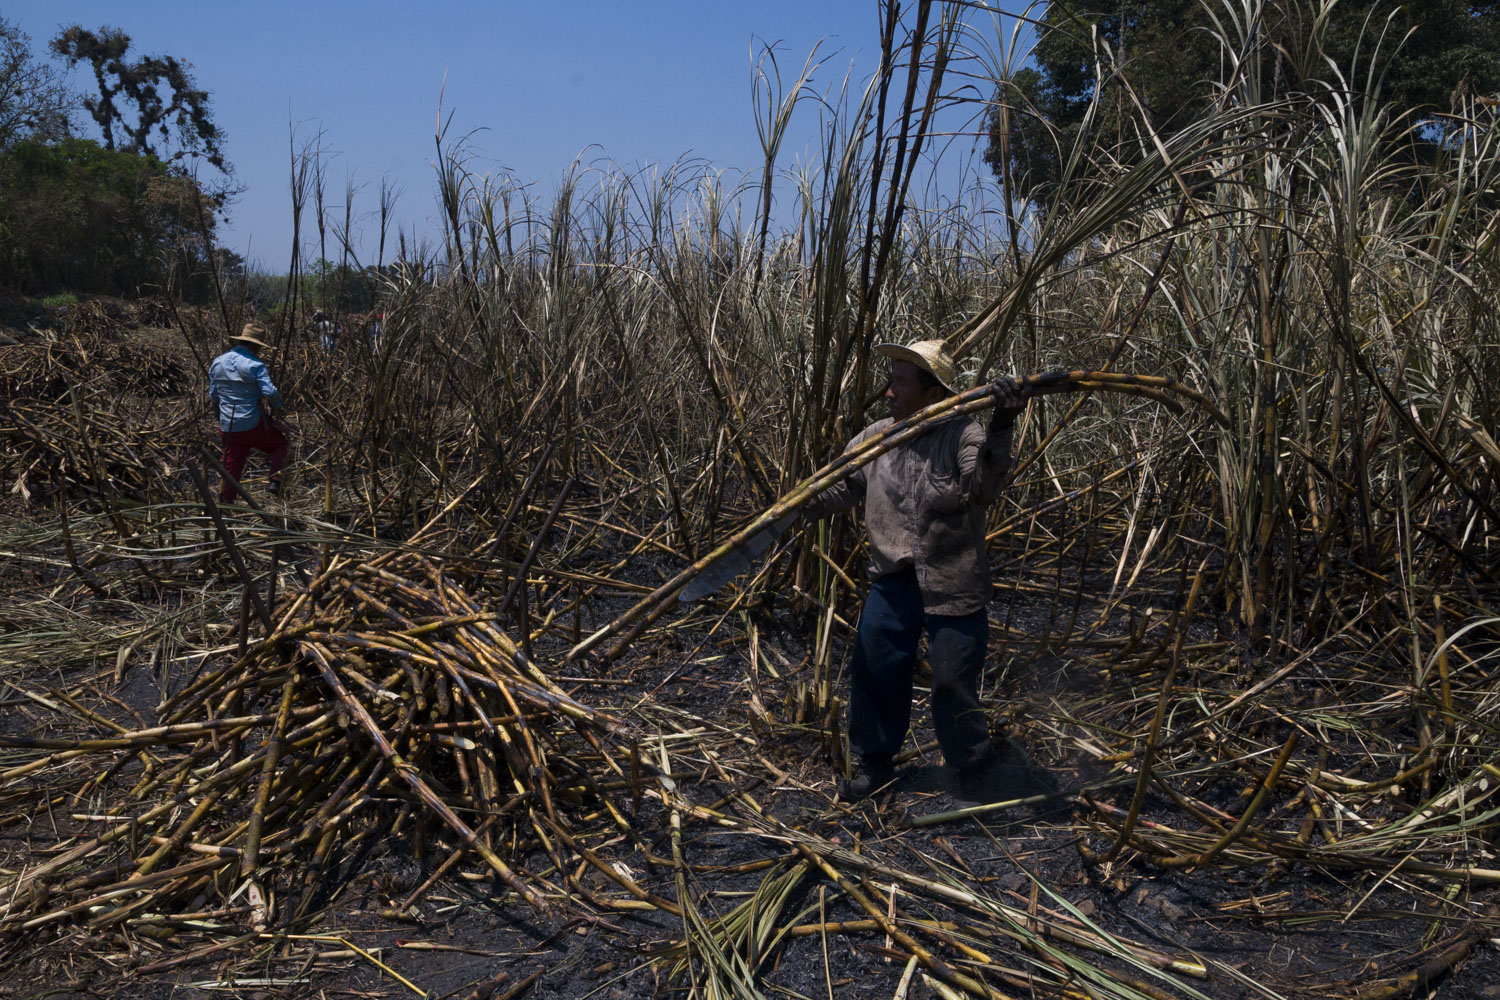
[[1084, 585]]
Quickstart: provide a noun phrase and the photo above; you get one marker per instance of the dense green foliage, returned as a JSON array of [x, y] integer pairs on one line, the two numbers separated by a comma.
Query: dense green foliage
[[115, 217], [75, 215], [1160, 62], [340, 287]]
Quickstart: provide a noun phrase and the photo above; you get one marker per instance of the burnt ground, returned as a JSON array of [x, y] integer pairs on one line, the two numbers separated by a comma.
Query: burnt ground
[[1276, 929], [1260, 928]]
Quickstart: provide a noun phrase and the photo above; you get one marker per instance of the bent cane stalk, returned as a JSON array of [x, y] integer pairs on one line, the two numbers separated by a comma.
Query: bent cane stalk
[[653, 605]]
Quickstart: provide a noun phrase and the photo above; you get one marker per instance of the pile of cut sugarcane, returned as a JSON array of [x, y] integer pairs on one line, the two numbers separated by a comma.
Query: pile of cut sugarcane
[[87, 414], [384, 701]]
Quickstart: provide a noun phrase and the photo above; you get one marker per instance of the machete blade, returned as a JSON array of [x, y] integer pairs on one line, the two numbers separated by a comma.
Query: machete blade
[[734, 562]]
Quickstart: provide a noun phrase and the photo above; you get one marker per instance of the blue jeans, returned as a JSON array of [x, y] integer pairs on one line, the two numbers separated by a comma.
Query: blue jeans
[[885, 655]]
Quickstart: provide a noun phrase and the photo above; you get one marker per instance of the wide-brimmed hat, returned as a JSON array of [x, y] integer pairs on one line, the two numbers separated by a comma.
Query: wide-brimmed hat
[[253, 333], [929, 355]]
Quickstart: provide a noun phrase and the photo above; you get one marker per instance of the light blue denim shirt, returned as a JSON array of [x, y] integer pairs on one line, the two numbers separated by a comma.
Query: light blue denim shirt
[[237, 380]]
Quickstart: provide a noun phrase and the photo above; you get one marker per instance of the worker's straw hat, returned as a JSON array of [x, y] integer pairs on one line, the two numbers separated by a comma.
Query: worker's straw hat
[[253, 333], [929, 355]]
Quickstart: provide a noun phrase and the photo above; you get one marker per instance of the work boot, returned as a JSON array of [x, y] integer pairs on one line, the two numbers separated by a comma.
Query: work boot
[[276, 486], [1003, 776], [981, 784], [870, 775]]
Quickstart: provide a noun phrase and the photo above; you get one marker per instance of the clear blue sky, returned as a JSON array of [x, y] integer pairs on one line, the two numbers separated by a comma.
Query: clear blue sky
[[631, 81]]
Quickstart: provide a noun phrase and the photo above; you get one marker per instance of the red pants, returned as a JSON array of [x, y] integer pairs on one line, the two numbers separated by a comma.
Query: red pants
[[237, 447]]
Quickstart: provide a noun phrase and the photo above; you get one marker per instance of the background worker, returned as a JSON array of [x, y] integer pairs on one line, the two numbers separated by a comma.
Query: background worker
[[328, 332], [245, 397], [925, 515]]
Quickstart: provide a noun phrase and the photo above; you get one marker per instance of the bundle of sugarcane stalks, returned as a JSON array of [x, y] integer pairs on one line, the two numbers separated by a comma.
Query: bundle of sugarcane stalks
[[384, 699], [1167, 391]]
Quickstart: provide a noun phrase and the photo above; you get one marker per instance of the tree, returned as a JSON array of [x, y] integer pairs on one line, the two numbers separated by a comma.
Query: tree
[[150, 106], [1172, 61], [34, 101], [78, 217], [340, 287]]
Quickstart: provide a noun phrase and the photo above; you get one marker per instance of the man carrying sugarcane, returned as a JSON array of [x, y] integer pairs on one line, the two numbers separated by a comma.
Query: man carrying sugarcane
[[245, 397], [924, 514]]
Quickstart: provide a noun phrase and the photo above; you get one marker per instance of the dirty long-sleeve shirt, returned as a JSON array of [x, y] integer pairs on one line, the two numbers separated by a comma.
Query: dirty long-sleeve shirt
[[237, 380], [924, 508]]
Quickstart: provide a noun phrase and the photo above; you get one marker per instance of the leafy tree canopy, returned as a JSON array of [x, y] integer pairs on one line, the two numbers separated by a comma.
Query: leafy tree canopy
[[340, 287], [150, 105], [1172, 60], [78, 217]]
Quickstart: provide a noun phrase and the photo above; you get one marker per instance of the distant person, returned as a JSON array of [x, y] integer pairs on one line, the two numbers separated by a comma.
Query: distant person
[[245, 397], [327, 330], [924, 505], [377, 325]]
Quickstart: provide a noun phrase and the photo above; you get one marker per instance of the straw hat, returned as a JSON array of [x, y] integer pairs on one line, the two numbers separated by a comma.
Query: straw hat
[[252, 333], [929, 355]]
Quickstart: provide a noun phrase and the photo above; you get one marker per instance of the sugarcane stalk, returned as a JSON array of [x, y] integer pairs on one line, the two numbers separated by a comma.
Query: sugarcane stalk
[[1239, 828], [938, 966], [420, 787], [219, 777], [233, 549], [115, 891], [169, 844], [272, 757], [981, 397], [130, 739]]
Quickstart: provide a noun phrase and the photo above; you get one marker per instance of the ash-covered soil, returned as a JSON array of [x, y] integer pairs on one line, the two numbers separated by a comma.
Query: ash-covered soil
[[1280, 929], [754, 755]]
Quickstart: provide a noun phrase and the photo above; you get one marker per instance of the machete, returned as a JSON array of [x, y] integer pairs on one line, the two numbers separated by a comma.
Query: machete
[[736, 561]]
